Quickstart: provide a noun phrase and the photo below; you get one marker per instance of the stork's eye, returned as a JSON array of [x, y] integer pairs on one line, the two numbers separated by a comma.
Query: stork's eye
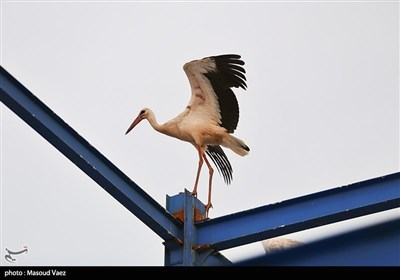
[[142, 112]]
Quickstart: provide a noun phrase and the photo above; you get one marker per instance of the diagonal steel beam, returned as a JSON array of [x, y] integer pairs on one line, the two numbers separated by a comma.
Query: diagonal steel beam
[[300, 213], [35, 113]]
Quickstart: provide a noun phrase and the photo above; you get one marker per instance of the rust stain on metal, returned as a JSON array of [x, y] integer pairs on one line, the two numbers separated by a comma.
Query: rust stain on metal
[[198, 216], [176, 240], [201, 247], [179, 215]]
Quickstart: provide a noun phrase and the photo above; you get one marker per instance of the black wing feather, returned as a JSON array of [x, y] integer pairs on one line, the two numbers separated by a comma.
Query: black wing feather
[[221, 161], [228, 74]]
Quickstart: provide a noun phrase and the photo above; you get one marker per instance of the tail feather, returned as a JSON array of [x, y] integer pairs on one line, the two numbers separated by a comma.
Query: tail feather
[[237, 145]]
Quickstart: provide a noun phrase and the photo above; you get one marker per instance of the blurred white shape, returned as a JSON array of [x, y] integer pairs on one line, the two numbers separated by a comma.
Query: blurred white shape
[[277, 244]]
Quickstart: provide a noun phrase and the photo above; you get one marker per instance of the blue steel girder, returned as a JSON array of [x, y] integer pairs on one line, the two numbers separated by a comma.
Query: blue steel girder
[[35, 113], [189, 209], [300, 213]]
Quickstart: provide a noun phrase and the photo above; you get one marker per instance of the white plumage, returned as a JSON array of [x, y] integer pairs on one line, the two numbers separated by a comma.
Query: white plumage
[[278, 244]]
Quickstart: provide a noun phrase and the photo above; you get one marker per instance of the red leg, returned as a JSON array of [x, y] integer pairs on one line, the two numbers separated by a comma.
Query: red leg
[[194, 192], [211, 172]]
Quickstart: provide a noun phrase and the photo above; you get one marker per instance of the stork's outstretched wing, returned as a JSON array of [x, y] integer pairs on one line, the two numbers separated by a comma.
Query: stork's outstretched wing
[[211, 79]]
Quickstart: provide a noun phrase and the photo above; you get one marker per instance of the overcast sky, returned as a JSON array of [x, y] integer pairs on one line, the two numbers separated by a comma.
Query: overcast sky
[[321, 111]]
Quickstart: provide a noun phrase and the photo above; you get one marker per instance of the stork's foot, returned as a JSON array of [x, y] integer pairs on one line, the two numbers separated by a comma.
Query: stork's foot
[[208, 206], [193, 193]]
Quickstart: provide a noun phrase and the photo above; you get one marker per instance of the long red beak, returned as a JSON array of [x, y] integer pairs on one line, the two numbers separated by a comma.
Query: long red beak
[[135, 122]]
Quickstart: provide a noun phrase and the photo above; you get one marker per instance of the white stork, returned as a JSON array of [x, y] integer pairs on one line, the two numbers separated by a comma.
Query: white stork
[[211, 115]]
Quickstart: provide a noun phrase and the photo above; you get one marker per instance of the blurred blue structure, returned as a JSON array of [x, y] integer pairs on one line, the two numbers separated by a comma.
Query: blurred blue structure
[[376, 245], [192, 239]]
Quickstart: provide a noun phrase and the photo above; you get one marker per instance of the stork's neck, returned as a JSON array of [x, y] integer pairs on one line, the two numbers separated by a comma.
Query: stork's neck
[[151, 118], [162, 128], [153, 122]]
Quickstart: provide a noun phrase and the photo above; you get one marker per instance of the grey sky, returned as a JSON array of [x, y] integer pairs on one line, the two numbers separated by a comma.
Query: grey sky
[[321, 110]]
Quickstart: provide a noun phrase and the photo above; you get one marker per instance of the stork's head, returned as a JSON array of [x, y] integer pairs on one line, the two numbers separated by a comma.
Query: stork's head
[[143, 114]]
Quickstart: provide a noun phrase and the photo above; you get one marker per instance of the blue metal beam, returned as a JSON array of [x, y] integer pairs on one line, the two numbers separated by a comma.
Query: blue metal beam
[[35, 113], [376, 245], [189, 209], [301, 213], [189, 230]]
